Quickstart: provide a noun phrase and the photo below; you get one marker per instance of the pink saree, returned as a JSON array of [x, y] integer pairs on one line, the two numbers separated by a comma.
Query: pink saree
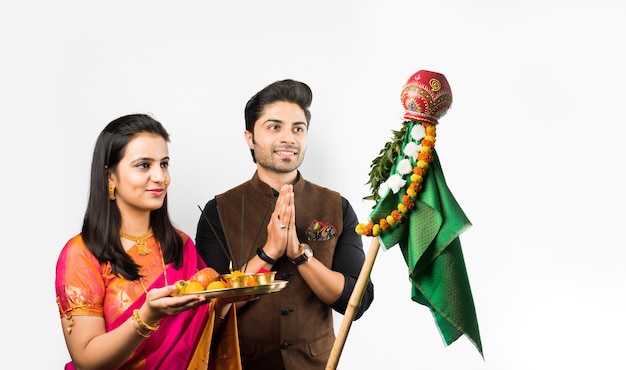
[[85, 287]]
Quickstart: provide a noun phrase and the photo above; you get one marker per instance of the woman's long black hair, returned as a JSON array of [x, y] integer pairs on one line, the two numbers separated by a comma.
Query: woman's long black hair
[[102, 221]]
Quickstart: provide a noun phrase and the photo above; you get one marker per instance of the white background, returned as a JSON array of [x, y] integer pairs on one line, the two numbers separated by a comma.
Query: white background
[[531, 148]]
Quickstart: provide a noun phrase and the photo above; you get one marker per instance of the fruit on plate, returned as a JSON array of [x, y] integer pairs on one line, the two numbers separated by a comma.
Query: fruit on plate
[[198, 282], [217, 284], [192, 287], [205, 276], [180, 285], [186, 286]]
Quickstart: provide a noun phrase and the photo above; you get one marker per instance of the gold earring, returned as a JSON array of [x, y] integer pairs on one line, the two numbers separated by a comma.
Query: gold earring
[[112, 192]]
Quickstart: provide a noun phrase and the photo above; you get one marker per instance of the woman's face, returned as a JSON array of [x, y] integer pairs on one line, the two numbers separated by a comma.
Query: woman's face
[[142, 176]]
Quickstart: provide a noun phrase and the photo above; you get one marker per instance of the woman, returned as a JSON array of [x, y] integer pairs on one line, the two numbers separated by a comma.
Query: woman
[[114, 280]]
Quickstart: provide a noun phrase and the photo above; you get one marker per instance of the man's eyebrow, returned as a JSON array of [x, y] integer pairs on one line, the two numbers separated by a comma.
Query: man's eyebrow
[[275, 120]]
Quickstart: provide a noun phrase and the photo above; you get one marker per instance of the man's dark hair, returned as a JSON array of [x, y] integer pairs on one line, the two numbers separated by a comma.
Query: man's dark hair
[[290, 91]]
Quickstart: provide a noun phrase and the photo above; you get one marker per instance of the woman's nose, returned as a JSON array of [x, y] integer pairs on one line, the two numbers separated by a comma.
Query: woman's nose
[[160, 176]]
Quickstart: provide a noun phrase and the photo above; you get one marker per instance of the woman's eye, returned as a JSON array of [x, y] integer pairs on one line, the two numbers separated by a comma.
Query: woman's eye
[[143, 165], [165, 165]]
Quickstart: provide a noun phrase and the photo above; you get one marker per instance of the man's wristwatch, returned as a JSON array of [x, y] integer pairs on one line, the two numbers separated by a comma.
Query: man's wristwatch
[[307, 253]]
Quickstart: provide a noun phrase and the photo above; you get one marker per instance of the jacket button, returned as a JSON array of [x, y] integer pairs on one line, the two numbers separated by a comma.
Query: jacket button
[[285, 311], [284, 345], [285, 275]]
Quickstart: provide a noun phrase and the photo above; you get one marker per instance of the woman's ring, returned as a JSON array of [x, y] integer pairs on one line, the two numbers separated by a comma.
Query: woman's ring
[[283, 226]]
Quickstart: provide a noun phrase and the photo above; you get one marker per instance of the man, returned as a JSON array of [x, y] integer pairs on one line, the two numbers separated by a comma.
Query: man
[[279, 221]]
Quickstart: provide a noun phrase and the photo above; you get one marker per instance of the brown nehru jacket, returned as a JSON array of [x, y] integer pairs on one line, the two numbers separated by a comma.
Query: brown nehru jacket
[[293, 325]]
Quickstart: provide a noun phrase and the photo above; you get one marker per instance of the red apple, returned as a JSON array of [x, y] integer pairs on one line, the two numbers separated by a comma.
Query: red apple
[[205, 276]]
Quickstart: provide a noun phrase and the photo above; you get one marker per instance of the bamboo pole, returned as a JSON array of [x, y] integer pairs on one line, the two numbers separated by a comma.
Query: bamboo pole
[[353, 305]]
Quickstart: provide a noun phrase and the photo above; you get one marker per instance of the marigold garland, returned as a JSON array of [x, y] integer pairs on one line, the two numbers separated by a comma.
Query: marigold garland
[[398, 215]]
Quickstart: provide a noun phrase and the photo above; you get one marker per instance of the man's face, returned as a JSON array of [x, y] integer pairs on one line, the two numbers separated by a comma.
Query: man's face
[[279, 140]]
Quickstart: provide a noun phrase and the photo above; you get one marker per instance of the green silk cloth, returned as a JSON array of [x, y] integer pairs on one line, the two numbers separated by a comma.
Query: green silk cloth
[[429, 240]]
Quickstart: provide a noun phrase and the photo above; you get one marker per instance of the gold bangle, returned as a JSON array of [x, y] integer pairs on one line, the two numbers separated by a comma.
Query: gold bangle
[[142, 323], [138, 329]]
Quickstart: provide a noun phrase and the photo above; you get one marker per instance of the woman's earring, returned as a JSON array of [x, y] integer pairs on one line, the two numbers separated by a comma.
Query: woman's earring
[[112, 192]]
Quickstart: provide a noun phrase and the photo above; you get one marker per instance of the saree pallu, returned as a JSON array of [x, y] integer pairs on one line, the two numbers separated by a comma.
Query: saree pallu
[[173, 345]]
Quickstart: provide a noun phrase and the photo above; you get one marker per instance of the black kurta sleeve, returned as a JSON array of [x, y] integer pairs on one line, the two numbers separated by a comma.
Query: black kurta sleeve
[[348, 259], [210, 239]]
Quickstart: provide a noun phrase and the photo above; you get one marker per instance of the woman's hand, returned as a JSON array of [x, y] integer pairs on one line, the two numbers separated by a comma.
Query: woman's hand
[[160, 303]]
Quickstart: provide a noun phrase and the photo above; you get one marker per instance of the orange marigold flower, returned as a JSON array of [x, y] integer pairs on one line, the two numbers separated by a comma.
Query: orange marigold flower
[[390, 220], [402, 208], [397, 215], [428, 143], [367, 230], [427, 157], [419, 171], [384, 224], [407, 201]]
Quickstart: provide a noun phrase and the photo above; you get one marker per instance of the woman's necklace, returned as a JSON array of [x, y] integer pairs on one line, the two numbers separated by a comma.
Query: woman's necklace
[[140, 242]]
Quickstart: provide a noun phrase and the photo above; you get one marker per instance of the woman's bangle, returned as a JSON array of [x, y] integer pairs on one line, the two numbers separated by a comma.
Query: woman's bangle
[[140, 324], [138, 329]]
